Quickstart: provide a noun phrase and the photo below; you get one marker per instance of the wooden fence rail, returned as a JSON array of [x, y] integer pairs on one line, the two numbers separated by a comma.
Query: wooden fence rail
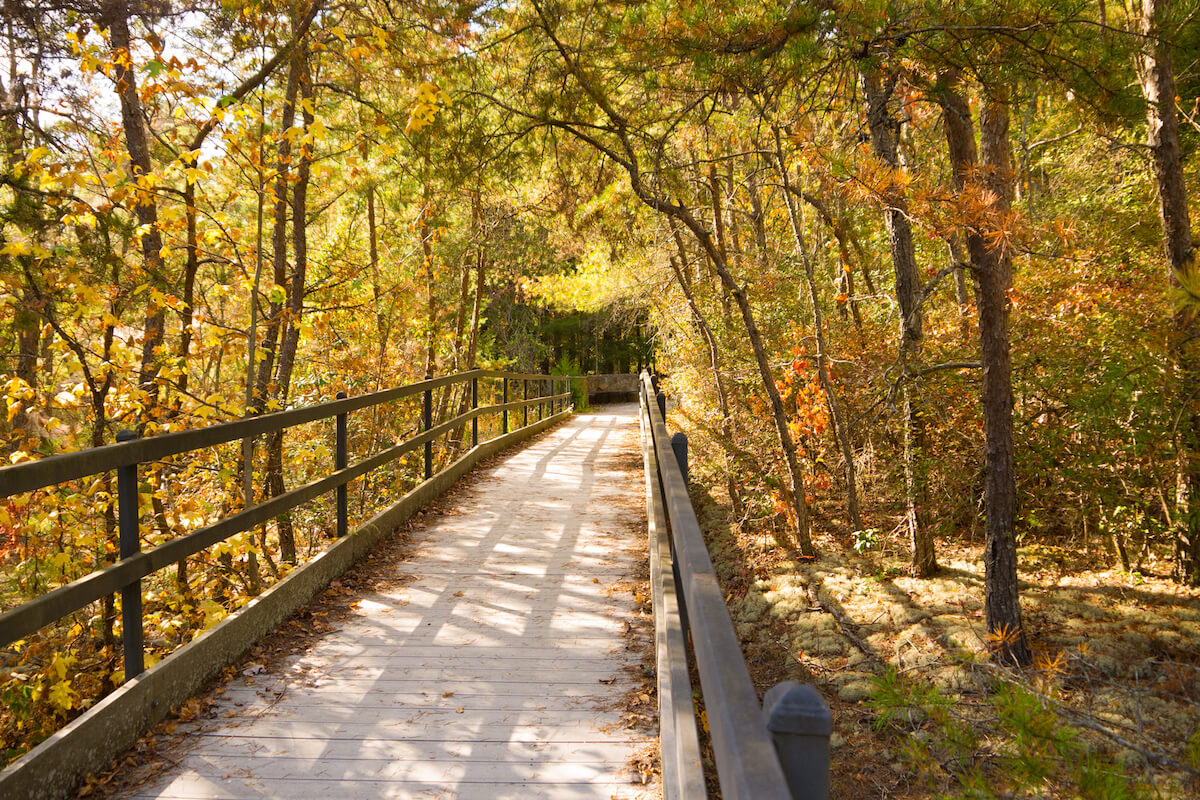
[[56, 767], [779, 751], [124, 457]]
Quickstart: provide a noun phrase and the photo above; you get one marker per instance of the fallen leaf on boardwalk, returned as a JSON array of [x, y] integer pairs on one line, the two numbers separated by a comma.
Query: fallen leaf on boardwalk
[[458, 593], [607, 680], [445, 694], [459, 710], [253, 669]]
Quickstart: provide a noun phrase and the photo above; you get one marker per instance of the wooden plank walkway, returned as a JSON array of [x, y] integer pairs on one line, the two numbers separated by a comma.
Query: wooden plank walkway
[[496, 671]]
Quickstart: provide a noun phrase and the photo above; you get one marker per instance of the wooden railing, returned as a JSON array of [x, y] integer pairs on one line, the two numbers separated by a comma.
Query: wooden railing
[[779, 751], [124, 457]]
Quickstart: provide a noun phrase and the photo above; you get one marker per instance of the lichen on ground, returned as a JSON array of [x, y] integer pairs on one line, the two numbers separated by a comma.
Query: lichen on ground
[[1117, 653]]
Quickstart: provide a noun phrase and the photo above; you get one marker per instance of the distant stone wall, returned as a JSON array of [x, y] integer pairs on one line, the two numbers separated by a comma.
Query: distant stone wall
[[611, 388]]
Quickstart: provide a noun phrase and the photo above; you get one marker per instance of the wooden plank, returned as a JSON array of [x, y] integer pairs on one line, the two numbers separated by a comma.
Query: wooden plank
[[496, 670], [88, 744], [680, 759], [747, 765], [409, 750]]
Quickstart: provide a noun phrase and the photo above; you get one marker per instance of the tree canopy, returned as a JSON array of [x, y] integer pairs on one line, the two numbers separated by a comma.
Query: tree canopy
[[918, 270]]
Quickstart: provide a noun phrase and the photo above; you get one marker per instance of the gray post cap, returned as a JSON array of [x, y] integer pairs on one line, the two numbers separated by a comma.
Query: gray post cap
[[797, 708]]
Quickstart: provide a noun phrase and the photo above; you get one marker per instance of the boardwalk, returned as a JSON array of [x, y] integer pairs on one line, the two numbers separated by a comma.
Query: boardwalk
[[496, 671]]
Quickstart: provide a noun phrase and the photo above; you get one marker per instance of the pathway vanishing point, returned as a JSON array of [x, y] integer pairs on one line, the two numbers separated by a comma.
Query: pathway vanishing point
[[496, 671]]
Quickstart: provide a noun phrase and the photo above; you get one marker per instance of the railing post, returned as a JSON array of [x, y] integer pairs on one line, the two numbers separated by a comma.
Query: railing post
[[525, 396], [130, 544], [679, 444], [427, 421], [504, 399], [662, 404], [474, 406], [339, 463], [800, 725]]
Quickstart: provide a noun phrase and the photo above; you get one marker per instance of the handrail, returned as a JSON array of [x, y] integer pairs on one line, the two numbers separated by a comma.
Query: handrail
[[681, 763], [125, 574], [748, 748], [31, 475]]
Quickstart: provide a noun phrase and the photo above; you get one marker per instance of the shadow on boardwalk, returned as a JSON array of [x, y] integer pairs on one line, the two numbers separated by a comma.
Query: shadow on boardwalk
[[491, 665]]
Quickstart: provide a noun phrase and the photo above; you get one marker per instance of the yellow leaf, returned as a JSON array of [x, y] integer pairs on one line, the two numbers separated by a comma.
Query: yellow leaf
[[66, 400], [15, 248], [428, 92], [59, 665], [62, 695]]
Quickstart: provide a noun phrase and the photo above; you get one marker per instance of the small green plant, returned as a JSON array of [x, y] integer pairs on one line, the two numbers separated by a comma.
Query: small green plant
[[867, 539], [579, 397], [1013, 744]]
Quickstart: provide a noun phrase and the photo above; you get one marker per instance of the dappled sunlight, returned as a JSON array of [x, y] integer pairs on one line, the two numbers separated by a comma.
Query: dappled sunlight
[[497, 662]]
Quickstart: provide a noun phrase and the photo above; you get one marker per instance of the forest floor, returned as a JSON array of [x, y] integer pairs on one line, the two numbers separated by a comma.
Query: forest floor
[[902, 661]]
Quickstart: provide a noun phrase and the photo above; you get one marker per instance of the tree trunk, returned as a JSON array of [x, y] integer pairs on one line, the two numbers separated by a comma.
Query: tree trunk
[[1002, 600], [726, 410], [841, 435], [993, 271], [714, 360], [796, 496], [464, 402], [115, 15], [279, 244], [191, 267], [885, 137], [845, 271], [426, 234], [28, 325], [959, 261], [1156, 73], [297, 281]]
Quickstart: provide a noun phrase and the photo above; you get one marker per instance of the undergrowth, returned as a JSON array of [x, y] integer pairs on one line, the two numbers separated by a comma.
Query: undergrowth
[[1007, 742]]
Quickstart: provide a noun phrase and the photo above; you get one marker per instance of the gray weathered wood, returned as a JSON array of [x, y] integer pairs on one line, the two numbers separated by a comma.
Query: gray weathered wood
[[682, 769], [747, 766], [496, 671], [54, 768]]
